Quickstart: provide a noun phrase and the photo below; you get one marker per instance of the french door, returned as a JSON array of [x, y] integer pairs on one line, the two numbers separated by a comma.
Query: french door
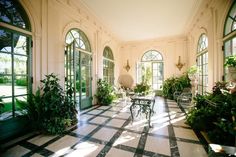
[[78, 75]]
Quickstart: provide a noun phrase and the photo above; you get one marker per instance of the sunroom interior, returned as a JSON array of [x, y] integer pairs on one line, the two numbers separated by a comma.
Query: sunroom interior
[[82, 45]]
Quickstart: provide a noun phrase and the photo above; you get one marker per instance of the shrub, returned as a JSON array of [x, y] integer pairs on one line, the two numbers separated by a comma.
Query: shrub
[[4, 79], [173, 84], [105, 93], [50, 108], [215, 113], [21, 82]]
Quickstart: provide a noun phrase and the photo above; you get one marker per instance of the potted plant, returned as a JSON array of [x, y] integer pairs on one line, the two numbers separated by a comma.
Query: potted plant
[[230, 63], [105, 93], [192, 72], [142, 88]]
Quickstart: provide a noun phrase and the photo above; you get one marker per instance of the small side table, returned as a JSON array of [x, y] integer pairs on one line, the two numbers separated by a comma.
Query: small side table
[[145, 104]]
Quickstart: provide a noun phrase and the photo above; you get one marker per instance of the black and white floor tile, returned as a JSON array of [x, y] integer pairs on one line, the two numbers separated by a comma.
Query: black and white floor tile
[[108, 131]]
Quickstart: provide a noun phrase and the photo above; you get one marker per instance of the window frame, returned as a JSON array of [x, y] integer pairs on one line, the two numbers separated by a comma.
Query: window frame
[[108, 70], [201, 52], [25, 32]]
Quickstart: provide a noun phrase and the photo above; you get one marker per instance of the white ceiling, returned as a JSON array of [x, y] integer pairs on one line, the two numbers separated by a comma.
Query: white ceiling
[[133, 20]]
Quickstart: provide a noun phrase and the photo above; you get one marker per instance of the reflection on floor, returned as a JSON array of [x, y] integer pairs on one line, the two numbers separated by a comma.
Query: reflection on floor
[[109, 131]]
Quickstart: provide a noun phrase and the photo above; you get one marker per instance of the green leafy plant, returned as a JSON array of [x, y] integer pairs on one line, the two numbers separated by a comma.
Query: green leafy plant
[[215, 113], [105, 93], [173, 84], [142, 88], [230, 61], [192, 70], [50, 108]]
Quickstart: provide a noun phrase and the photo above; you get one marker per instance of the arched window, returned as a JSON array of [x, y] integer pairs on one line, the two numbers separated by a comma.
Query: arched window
[[202, 63], [230, 33], [150, 69], [108, 65], [15, 57], [78, 67]]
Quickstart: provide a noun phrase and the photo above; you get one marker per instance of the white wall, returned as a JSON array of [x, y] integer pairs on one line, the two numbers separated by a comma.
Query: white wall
[[51, 20], [170, 48]]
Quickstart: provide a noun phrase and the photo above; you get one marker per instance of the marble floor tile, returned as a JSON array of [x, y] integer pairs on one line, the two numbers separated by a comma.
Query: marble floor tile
[[123, 115], [104, 134], [158, 145], [37, 155], [85, 117], [116, 123], [41, 139], [109, 113], [128, 139], [62, 145], [85, 129], [161, 130], [185, 133], [119, 153], [85, 149], [95, 112], [99, 120], [16, 151], [191, 150]]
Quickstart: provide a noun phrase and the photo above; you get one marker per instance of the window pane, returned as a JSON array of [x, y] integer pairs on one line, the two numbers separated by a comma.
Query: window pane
[[19, 105], [5, 63], [234, 46], [20, 44], [21, 85], [20, 64], [228, 26], [5, 41], [6, 110], [5, 85]]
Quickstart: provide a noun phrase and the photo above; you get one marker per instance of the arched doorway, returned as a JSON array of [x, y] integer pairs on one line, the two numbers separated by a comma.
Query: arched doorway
[[150, 69], [78, 69]]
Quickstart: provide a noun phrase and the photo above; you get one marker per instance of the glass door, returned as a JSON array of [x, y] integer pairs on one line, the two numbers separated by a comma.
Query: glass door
[[78, 75], [85, 80]]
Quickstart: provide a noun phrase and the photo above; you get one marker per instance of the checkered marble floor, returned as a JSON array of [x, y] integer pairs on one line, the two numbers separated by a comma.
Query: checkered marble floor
[[108, 131]]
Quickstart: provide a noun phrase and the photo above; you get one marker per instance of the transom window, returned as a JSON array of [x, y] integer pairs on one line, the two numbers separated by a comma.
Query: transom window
[[202, 63], [81, 40], [12, 13], [230, 34], [108, 65], [15, 58], [150, 69]]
